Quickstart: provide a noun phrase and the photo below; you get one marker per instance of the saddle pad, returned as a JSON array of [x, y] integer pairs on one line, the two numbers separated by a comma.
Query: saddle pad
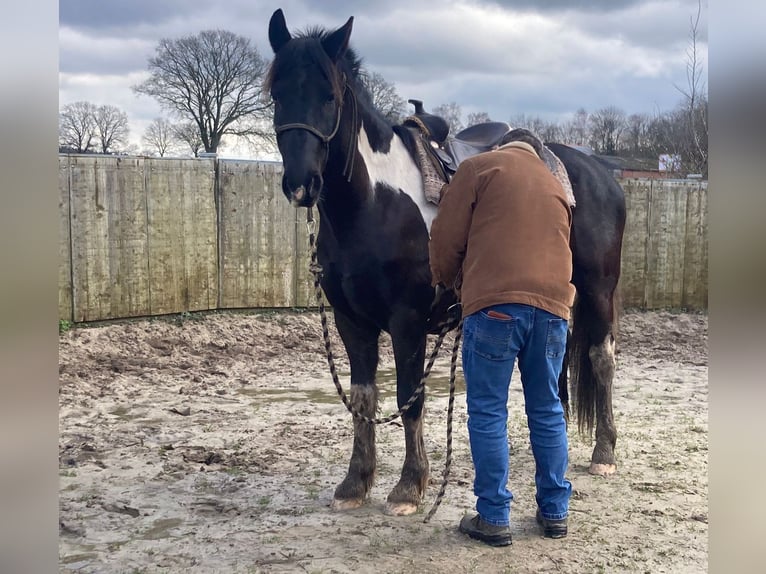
[[556, 166], [433, 179]]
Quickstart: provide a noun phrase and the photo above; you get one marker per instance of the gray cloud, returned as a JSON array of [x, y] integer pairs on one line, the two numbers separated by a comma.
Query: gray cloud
[[114, 15], [565, 5], [659, 24], [505, 58]]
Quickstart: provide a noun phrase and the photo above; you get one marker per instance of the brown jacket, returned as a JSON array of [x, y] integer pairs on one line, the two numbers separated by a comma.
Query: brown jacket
[[504, 221]]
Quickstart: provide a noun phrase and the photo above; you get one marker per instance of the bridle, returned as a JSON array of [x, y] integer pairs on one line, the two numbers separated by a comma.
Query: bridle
[[348, 168]]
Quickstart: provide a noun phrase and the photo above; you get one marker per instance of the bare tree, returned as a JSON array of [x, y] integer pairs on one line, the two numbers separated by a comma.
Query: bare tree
[[385, 97], [77, 126], [548, 131], [478, 118], [521, 120], [215, 79], [111, 127], [160, 136], [188, 133], [694, 147], [607, 125], [532, 123], [662, 134], [453, 114], [635, 141], [576, 131]]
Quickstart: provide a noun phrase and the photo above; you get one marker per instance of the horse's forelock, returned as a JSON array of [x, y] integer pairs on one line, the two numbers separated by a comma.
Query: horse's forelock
[[350, 64]]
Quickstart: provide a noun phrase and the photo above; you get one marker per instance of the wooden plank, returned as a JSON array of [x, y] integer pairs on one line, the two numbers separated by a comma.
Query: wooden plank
[[257, 236], [305, 294], [202, 235], [182, 235], [89, 241], [110, 263], [695, 290], [632, 285], [667, 235], [65, 243]]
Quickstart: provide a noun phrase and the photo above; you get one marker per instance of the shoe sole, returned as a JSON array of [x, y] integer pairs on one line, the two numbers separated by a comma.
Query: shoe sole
[[492, 541]]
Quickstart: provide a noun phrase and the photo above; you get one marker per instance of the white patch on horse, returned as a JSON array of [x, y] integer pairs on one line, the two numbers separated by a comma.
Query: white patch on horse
[[602, 357], [397, 170]]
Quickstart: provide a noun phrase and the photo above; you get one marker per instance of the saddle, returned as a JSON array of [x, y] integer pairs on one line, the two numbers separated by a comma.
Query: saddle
[[447, 152], [439, 154]]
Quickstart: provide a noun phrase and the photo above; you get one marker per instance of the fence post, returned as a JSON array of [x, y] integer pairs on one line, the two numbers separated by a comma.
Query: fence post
[[219, 229]]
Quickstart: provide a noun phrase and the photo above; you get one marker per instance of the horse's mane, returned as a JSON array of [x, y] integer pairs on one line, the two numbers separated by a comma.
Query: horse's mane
[[351, 60]]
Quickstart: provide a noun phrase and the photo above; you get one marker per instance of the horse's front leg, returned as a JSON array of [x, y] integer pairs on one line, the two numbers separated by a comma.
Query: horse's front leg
[[361, 342], [409, 352]]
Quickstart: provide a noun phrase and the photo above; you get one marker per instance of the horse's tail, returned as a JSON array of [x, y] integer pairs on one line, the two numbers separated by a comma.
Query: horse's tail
[[588, 329]]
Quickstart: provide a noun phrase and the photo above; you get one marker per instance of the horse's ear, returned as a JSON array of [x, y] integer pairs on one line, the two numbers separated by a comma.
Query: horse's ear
[[279, 35], [337, 43]]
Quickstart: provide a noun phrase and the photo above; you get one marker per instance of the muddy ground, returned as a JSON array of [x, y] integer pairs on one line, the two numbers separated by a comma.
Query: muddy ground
[[213, 443]]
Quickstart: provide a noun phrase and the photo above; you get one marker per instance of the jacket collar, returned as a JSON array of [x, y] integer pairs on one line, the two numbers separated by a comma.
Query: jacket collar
[[522, 145]]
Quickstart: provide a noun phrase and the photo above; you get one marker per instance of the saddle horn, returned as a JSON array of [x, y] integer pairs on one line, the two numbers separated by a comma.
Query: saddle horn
[[437, 126]]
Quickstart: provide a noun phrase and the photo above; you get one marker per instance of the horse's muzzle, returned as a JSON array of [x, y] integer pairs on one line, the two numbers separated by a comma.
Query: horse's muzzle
[[305, 195]]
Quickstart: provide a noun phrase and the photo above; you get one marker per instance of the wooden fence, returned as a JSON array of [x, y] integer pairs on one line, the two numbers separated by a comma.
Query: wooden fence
[[146, 236]]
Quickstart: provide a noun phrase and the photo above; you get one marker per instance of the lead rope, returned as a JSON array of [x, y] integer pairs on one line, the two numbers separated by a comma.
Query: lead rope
[[450, 410], [316, 270]]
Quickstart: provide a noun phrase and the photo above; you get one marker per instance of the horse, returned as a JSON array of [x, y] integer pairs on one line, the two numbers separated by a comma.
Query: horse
[[343, 157]]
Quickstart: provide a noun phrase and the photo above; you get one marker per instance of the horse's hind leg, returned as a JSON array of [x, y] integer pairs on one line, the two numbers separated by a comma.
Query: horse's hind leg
[[593, 370], [361, 342], [409, 342], [602, 359]]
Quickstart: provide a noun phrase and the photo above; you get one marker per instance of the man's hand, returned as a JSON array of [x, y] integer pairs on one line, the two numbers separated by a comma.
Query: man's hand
[[445, 310]]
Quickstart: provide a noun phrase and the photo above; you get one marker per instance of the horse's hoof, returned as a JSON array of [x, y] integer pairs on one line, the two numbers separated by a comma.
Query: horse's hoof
[[602, 469], [346, 503], [401, 508]]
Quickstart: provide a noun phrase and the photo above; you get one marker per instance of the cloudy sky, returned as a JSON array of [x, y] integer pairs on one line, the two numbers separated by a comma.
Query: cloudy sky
[[505, 57]]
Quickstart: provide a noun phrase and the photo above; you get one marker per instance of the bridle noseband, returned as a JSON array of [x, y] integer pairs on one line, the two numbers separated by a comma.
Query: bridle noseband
[[325, 139], [300, 126]]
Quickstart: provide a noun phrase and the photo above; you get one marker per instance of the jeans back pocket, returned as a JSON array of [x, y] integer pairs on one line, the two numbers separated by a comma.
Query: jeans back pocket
[[556, 340], [494, 337]]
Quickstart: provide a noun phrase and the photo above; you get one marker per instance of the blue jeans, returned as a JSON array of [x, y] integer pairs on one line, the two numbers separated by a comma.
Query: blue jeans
[[490, 348]]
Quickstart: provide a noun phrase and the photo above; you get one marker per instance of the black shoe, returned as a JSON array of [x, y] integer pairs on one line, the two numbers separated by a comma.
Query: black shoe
[[552, 528], [476, 527]]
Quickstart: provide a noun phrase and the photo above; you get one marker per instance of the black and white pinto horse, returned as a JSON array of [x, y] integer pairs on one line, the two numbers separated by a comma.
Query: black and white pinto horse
[[342, 156]]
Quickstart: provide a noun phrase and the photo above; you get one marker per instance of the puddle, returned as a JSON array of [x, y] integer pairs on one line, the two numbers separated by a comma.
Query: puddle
[[294, 395], [437, 385]]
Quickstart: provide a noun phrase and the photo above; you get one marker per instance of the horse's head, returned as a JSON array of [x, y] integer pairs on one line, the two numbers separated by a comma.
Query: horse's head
[[308, 89]]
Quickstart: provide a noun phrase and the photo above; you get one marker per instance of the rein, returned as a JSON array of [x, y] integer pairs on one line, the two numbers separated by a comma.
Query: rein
[[316, 271]]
